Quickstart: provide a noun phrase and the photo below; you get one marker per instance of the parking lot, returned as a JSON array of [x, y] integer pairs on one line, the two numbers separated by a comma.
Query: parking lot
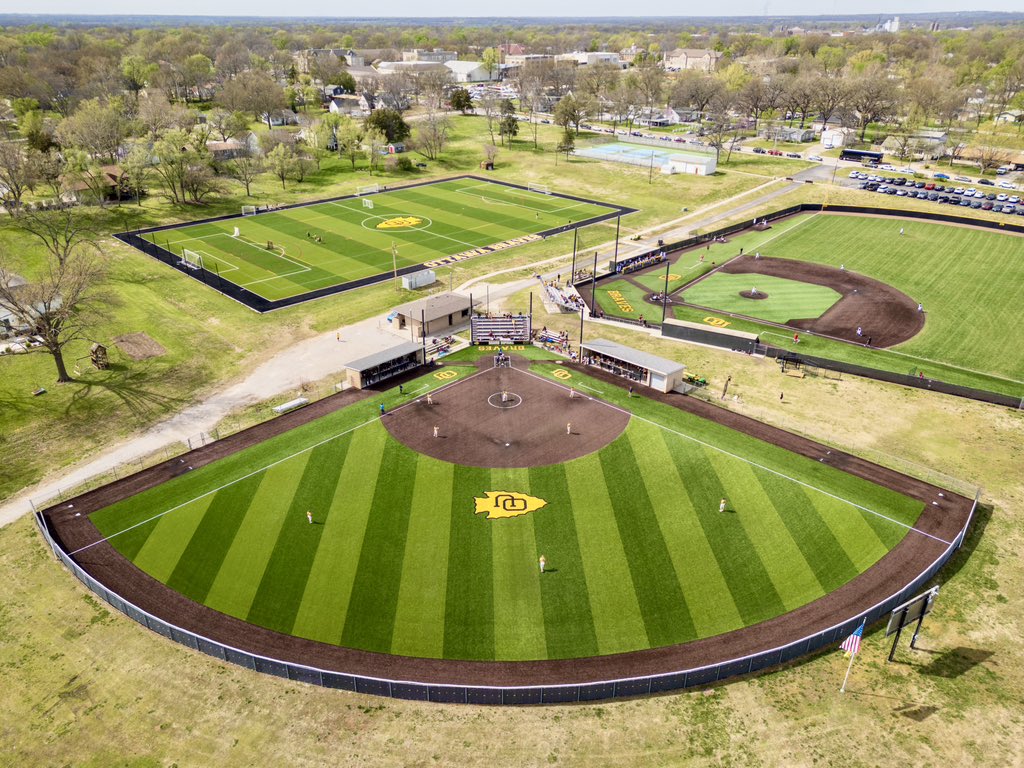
[[985, 195]]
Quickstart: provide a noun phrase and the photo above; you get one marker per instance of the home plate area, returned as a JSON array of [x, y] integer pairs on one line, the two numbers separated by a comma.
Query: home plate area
[[506, 417]]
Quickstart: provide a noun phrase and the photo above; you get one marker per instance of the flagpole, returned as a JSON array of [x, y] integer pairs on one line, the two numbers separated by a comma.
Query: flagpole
[[848, 668]]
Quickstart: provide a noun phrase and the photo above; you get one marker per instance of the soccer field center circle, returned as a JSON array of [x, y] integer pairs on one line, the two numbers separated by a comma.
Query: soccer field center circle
[[441, 586], [417, 223]]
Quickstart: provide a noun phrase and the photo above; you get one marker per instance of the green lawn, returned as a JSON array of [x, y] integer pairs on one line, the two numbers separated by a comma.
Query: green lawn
[[400, 563], [285, 253], [786, 299]]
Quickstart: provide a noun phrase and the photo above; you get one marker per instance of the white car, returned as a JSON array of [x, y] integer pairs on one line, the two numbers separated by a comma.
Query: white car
[[980, 195], [906, 170], [962, 178], [854, 174], [1005, 185], [816, 158], [1002, 198], [959, 191], [887, 167], [1013, 199]]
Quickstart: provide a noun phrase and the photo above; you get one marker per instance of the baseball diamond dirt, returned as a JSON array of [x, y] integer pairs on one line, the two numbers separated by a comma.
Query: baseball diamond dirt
[[526, 430], [887, 315], [944, 515]]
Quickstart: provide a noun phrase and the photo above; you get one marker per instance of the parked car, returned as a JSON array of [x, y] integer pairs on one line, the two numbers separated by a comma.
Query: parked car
[[986, 182], [962, 178], [816, 158], [941, 177], [1005, 185], [796, 155]]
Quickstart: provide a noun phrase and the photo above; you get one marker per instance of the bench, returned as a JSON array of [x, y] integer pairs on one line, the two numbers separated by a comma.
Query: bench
[[291, 405], [795, 373]]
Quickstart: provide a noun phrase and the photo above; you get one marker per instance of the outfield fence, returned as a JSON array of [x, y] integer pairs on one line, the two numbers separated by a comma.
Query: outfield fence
[[517, 695]]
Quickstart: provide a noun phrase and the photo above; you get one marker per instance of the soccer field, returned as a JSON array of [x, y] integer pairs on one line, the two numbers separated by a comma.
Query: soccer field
[[298, 250], [399, 561]]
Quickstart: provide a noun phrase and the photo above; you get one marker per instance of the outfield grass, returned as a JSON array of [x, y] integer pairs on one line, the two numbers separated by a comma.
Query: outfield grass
[[786, 299], [325, 244], [399, 563]]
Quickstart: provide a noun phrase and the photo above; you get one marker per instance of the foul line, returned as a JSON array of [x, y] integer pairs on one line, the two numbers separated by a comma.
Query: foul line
[[753, 463], [262, 469]]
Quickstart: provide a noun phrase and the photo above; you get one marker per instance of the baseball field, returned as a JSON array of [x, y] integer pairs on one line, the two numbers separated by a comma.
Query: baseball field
[[366, 531], [969, 283]]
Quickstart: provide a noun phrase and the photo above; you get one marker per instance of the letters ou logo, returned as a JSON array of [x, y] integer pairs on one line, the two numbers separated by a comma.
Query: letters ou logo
[[716, 321], [509, 503], [560, 374]]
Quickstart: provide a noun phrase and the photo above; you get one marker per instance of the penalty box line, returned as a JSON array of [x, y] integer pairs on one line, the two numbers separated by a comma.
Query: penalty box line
[[257, 471], [752, 463]]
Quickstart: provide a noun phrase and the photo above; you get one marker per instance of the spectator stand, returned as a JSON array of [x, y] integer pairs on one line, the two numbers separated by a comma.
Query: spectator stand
[[559, 299], [500, 329], [640, 367]]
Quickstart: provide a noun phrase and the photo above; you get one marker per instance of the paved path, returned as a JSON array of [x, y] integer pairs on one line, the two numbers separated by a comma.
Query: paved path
[[323, 355]]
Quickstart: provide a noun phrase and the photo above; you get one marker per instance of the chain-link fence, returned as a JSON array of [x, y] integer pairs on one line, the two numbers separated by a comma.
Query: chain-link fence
[[516, 695]]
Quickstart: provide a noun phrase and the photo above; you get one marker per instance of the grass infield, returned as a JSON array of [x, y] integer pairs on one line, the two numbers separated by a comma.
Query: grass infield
[[785, 299], [289, 252], [398, 562]]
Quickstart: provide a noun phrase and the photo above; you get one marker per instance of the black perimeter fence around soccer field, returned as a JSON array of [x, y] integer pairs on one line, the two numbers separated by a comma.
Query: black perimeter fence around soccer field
[[795, 359], [518, 695]]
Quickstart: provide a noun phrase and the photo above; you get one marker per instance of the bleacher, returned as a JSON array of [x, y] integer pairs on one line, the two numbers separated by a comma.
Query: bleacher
[[561, 297], [514, 329]]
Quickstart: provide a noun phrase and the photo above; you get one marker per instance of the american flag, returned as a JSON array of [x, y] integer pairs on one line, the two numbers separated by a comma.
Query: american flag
[[852, 644]]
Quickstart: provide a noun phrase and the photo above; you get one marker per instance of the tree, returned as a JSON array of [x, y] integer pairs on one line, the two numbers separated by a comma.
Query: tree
[[490, 154], [567, 143], [98, 128], [136, 72], [830, 94], [461, 100], [434, 85], [137, 170], [253, 92], [37, 131], [375, 141], [508, 127], [491, 60], [281, 162], [227, 125], [874, 99], [490, 104], [389, 122], [246, 168], [695, 89], [989, 157], [157, 114], [60, 305], [18, 175], [349, 135], [432, 135], [570, 111], [184, 167]]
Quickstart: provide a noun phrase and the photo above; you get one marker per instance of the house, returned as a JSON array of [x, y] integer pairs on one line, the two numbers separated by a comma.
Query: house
[[469, 71], [682, 115], [786, 133], [306, 60], [698, 164], [348, 104], [833, 138], [926, 144], [280, 118], [510, 49], [369, 102], [701, 59], [437, 55], [106, 183]]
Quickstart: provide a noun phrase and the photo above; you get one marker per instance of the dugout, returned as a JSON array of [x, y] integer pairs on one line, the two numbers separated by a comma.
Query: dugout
[[725, 338], [435, 315], [643, 368], [384, 365]]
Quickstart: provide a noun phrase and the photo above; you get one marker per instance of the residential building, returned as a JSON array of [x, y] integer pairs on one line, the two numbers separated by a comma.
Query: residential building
[[787, 133], [702, 59], [584, 58]]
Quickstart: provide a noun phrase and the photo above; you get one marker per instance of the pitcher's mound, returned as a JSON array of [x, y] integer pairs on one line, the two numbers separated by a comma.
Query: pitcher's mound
[[755, 296]]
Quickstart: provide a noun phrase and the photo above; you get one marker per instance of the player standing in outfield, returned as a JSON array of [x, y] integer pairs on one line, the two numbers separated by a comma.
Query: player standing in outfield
[[309, 516], [543, 563], [901, 231], [722, 505], [382, 409], [436, 430], [568, 428]]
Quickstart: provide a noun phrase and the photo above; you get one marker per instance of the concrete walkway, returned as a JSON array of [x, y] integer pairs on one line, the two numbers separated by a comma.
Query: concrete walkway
[[323, 355]]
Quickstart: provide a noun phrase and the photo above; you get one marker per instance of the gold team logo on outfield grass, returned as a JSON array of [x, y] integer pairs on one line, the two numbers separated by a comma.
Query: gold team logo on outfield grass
[[498, 504], [400, 222]]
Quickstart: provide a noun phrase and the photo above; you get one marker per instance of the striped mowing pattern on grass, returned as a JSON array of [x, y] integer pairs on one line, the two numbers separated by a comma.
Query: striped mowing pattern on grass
[[396, 561], [330, 243]]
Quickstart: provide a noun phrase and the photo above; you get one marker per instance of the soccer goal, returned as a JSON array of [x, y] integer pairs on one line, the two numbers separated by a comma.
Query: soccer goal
[[369, 189], [248, 210], [367, 203], [542, 188], [191, 259]]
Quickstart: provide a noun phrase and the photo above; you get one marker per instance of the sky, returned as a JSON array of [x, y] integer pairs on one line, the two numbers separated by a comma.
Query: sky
[[521, 8]]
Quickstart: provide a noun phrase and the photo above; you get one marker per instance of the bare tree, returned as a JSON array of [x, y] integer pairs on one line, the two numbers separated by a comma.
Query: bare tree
[[432, 134], [246, 168], [990, 158], [490, 103], [17, 175], [60, 305]]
